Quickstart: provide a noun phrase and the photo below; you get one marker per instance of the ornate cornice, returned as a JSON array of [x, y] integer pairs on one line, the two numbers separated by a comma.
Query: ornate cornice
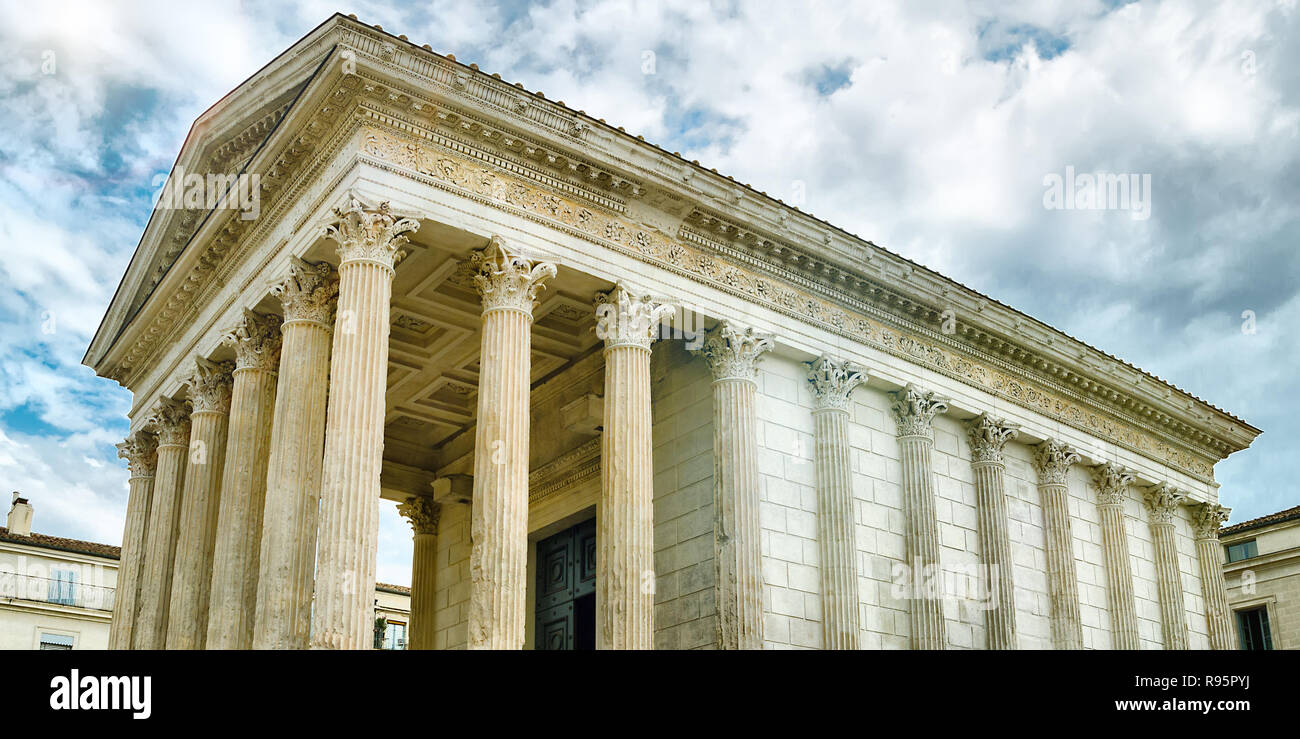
[[1208, 518], [309, 292], [824, 306], [210, 386], [372, 235], [914, 410], [734, 353], [624, 319], [988, 437], [140, 450], [507, 280], [576, 466], [170, 420], [832, 383], [1052, 460], [422, 514], [1162, 501], [1112, 483], [256, 341]]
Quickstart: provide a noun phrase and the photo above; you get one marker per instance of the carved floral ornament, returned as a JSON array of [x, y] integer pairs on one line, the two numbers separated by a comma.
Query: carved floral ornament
[[624, 319], [256, 340], [1052, 460], [507, 280], [988, 437], [832, 383], [486, 183], [308, 293], [1208, 518], [140, 450], [170, 420], [210, 386], [914, 410], [733, 353], [423, 515], [1162, 501], [1112, 483], [369, 234]]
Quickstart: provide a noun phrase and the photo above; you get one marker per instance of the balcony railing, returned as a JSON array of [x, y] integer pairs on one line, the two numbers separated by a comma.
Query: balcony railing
[[60, 592]]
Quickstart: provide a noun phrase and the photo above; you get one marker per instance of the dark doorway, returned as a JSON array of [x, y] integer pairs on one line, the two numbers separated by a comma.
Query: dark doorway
[[566, 589]]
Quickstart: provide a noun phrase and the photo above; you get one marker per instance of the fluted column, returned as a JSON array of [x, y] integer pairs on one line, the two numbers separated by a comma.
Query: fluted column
[[625, 575], [498, 565], [1207, 518], [423, 515], [140, 450], [914, 411], [988, 437], [187, 624], [287, 558], [832, 385], [1162, 504], [170, 420], [233, 601], [1112, 483], [368, 241], [733, 355], [1052, 459]]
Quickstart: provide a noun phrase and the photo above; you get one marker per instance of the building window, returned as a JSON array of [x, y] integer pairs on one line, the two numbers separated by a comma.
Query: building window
[[63, 587], [1242, 550], [395, 635], [1252, 625], [56, 641]]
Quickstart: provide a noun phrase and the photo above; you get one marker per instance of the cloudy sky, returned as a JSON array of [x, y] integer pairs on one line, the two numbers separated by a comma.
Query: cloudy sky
[[929, 128]]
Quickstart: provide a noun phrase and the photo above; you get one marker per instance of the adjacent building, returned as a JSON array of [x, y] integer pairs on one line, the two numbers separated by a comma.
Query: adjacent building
[[1262, 572], [624, 400], [55, 593]]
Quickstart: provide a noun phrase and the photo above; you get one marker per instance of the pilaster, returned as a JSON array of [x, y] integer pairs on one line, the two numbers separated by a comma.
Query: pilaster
[[1052, 460], [988, 437]]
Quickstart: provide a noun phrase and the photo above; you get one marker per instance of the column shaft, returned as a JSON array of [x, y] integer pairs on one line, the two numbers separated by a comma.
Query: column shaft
[[141, 451], [1053, 460], [287, 557], [995, 544], [171, 420], [914, 411], [423, 515], [836, 529], [1112, 481], [1162, 504], [1208, 518], [243, 494]]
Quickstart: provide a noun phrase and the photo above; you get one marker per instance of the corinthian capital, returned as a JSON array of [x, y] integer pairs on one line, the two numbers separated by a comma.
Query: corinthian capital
[[170, 420], [832, 383], [422, 514], [508, 281], [256, 340], [1112, 482], [1208, 518], [210, 386], [624, 319], [1052, 459], [1162, 502], [734, 354], [914, 410], [369, 234], [988, 437], [140, 450], [308, 293]]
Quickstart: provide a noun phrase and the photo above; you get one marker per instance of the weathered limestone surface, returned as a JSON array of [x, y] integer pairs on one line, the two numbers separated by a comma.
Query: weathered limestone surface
[[625, 575], [287, 558], [368, 241], [508, 284], [1112, 483], [1207, 519], [170, 420], [733, 355], [140, 450], [187, 623], [1162, 506], [832, 384], [988, 437], [914, 411], [1052, 460], [233, 601], [423, 515]]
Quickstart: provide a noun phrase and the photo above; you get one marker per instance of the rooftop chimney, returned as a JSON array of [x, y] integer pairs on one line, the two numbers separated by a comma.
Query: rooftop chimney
[[20, 516]]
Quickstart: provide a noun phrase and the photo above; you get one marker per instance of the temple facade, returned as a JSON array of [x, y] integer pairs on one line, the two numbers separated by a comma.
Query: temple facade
[[624, 401]]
